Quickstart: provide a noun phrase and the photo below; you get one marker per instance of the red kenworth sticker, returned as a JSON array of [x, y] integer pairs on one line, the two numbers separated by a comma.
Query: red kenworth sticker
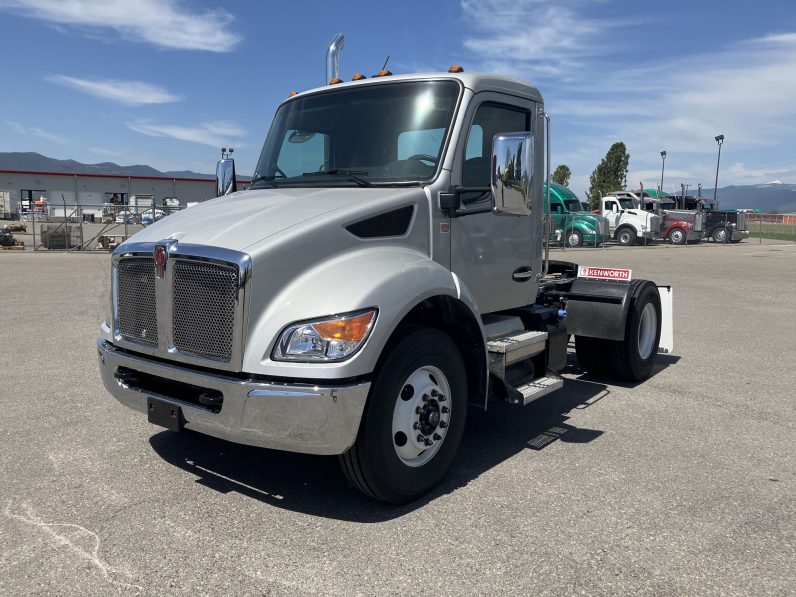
[[604, 273]]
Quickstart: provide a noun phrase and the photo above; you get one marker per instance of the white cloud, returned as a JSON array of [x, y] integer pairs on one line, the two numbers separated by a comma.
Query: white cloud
[[216, 134], [161, 23], [129, 93], [35, 131], [743, 89]]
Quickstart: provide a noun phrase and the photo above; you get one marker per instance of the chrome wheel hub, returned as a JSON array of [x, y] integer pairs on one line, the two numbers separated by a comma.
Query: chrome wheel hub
[[646, 331], [421, 416]]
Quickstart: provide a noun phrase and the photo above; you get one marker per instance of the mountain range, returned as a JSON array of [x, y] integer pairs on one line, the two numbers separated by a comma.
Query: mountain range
[[774, 196], [36, 162]]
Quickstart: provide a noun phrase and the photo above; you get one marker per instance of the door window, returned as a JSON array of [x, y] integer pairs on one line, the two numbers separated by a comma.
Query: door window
[[489, 120]]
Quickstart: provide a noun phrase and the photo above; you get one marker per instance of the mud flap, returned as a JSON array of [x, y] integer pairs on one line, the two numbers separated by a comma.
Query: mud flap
[[666, 343]]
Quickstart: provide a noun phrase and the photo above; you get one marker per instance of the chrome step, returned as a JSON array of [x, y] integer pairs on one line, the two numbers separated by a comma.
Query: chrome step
[[513, 348], [535, 389]]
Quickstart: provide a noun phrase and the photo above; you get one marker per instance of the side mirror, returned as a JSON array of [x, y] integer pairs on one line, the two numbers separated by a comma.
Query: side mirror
[[225, 177], [614, 207], [512, 173]]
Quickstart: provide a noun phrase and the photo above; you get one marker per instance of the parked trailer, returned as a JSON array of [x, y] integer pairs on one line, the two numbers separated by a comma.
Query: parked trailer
[[379, 275]]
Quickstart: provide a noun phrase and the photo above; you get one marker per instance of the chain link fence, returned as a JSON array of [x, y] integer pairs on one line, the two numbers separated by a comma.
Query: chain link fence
[[81, 227]]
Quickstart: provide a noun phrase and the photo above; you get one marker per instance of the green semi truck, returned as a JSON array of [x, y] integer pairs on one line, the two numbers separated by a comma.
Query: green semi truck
[[572, 224]]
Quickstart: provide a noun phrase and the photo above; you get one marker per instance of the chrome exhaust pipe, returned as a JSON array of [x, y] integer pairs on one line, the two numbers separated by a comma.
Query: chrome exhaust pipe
[[333, 57]]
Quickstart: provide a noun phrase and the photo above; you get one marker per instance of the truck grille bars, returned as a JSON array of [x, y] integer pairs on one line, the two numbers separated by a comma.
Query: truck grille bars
[[190, 309]]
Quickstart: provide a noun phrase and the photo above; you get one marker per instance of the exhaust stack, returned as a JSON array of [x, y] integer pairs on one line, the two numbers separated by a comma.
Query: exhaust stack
[[333, 58]]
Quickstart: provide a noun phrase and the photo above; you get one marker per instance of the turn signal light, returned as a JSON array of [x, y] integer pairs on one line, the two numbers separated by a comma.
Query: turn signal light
[[455, 68], [347, 330]]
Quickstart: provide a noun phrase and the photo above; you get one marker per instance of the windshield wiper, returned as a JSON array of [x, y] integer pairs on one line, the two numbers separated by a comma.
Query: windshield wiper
[[271, 178], [352, 175]]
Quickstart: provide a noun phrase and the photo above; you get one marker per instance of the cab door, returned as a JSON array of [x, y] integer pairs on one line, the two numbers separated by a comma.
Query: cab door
[[494, 255]]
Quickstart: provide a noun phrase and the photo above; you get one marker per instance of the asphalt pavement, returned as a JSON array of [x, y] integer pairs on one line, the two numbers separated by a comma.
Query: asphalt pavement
[[681, 485]]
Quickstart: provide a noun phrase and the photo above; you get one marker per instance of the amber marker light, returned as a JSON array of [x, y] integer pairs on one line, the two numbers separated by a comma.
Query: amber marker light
[[358, 77], [292, 93], [455, 68], [352, 329], [335, 81]]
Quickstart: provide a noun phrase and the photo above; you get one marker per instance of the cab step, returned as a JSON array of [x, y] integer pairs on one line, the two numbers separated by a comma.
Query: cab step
[[533, 390], [513, 348]]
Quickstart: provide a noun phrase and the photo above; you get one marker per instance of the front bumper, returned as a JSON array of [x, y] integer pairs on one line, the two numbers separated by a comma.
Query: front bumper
[[294, 417], [739, 234], [592, 239]]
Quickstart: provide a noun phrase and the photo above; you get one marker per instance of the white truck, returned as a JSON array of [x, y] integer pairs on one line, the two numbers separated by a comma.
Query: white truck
[[627, 223], [387, 267]]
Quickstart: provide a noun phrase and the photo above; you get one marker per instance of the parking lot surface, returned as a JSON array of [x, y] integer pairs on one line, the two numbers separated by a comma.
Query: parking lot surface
[[680, 485]]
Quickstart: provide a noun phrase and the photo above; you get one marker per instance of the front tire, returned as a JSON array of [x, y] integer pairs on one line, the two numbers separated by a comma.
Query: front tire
[[626, 236], [677, 236], [574, 239], [719, 235], [414, 419]]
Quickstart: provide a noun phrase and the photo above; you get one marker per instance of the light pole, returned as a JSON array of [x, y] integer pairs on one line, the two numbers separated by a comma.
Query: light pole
[[663, 165], [719, 140]]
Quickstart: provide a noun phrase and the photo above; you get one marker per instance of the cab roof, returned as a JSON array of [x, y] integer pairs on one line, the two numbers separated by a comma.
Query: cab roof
[[476, 82]]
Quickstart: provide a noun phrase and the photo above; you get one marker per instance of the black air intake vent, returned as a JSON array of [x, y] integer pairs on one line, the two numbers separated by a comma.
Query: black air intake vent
[[392, 223]]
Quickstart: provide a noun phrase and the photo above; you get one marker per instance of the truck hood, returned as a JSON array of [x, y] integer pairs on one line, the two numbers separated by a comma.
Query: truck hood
[[243, 219]]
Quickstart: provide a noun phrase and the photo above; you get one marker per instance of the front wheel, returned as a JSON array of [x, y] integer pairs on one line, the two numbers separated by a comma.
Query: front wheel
[[677, 236], [626, 236], [413, 421], [719, 235], [574, 239]]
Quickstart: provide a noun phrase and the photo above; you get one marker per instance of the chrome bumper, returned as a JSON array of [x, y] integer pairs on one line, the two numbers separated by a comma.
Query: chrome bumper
[[739, 234], [294, 417]]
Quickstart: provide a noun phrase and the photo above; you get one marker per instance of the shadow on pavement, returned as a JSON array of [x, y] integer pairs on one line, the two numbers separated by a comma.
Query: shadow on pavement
[[315, 485]]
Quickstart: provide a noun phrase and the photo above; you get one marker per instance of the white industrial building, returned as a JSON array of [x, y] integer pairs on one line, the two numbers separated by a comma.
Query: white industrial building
[[23, 191]]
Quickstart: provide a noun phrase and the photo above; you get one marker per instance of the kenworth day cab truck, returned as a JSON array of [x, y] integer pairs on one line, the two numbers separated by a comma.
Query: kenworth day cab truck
[[386, 268], [572, 224]]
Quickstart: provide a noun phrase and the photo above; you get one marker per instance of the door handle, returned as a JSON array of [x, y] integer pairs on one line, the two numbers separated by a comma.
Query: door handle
[[522, 274]]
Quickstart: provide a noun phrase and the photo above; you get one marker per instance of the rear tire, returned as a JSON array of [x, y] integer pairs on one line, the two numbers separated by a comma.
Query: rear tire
[[634, 357], [626, 236], [388, 461]]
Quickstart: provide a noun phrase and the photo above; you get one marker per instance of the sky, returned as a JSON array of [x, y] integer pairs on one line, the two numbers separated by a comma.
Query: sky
[[168, 82]]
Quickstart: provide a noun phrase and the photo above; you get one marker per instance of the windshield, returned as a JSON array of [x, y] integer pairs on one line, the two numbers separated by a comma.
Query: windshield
[[668, 205], [378, 134], [626, 203], [573, 205]]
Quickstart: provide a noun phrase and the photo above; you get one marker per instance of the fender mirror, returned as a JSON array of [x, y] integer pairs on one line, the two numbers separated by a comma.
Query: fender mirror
[[225, 177], [512, 173]]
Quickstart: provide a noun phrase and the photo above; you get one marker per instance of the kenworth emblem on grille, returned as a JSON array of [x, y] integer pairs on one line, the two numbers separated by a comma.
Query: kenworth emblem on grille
[[160, 261]]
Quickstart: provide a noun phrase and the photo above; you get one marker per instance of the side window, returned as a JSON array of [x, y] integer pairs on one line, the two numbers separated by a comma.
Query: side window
[[489, 120], [611, 205], [557, 209], [302, 151]]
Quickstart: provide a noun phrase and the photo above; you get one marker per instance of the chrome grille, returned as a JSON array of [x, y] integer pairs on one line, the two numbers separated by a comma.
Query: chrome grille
[[204, 299], [135, 300], [655, 224], [741, 224]]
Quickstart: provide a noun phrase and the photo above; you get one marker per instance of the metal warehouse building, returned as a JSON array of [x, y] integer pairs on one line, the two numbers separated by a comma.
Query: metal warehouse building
[[21, 190]]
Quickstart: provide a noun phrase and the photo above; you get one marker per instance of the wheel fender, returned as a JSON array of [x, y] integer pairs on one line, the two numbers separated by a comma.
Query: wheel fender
[[392, 279], [596, 319]]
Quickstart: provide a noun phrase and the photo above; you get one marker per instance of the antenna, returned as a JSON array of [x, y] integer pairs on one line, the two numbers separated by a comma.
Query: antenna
[[385, 63]]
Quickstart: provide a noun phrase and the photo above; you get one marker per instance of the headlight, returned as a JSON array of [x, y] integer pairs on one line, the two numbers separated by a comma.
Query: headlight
[[333, 338]]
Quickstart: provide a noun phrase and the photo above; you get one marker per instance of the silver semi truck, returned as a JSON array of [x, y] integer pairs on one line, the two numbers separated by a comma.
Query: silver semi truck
[[385, 269]]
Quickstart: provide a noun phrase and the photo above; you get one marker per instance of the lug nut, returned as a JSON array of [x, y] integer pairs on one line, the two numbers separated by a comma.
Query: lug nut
[[426, 398], [416, 426], [421, 438], [417, 410], [428, 442], [441, 398], [445, 410], [434, 393], [437, 437], [443, 424]]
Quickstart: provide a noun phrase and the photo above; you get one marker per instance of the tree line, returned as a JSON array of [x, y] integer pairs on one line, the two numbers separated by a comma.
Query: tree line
[[609, 175]]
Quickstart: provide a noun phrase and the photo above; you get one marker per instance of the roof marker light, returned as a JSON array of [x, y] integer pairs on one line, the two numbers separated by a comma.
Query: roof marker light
[[383, 73], [335, 81], [455, 68], [292, 93], [358, 77]]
